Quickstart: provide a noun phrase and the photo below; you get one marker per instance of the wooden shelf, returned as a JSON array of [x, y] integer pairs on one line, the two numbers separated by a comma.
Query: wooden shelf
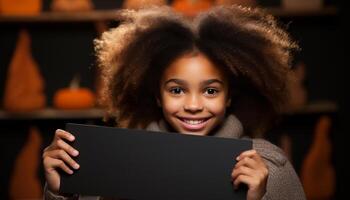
[[106, 15], [51, 113], [90, 16]]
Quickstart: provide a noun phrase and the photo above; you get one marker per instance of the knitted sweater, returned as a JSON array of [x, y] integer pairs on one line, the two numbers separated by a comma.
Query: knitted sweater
[[282, 184]]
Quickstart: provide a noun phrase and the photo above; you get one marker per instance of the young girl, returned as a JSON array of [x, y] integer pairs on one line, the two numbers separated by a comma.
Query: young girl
[[224, 74]]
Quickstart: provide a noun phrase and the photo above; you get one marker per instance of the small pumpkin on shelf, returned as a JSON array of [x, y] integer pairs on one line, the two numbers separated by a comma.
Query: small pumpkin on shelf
[[72, 5], [191, 8], [74, 97], [20, 7]]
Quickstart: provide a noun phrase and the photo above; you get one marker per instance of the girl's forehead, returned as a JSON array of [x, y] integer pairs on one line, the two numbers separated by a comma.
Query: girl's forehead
[[193, 65]]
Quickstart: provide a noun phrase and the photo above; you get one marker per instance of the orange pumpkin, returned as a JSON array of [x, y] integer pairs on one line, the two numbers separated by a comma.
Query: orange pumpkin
[[71, 5], [191, 8], [74, 97], [20, 7]]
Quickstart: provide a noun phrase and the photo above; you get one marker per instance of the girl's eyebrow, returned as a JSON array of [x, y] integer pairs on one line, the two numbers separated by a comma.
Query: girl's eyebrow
[[210, 81], [178, 81], [183, 82]]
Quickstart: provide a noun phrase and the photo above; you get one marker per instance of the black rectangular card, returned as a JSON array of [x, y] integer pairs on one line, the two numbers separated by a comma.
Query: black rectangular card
[[139, 164]]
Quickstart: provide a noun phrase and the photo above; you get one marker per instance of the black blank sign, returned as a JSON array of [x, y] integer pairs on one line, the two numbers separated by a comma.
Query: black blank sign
[[137, 164]]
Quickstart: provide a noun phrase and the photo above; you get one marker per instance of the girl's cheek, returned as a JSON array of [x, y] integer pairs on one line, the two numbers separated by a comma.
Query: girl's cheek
[[171, 105], [217, 106]]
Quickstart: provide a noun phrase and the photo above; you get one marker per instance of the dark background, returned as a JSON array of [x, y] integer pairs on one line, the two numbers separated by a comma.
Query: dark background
[[65, 49]]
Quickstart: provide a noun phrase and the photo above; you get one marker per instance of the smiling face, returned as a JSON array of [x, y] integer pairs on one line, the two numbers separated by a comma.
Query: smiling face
[[193, 94]]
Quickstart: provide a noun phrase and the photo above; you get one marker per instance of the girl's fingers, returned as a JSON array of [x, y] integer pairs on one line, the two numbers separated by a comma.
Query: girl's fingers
[[61, 134], [259, 174], [252, 171], [51, 164], [251, 158], [62, 155], [246, 161], [242, 179], [66, 147], [250, 153], [243, 170]]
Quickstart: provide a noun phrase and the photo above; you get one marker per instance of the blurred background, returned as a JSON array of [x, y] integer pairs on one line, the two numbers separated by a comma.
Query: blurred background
[[48, 77]]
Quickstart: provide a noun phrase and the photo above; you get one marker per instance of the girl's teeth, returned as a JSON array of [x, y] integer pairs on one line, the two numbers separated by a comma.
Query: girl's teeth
[[193, 121]]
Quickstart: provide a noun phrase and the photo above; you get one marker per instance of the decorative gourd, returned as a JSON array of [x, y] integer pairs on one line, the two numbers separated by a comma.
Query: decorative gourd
[[71, 5], [20, 7], [24, 87], [137, 4], [25, 182], [191, 8], [317, 172], [74, 97]]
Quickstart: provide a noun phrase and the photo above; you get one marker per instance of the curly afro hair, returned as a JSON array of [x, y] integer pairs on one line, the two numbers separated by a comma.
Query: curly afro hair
[[248, 44]]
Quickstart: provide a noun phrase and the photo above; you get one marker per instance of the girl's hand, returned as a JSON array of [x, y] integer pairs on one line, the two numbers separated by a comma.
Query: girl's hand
[[252, 171], [58, 155]]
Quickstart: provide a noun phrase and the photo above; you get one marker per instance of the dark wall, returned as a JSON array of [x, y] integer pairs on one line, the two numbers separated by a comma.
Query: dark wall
[[63, 50]]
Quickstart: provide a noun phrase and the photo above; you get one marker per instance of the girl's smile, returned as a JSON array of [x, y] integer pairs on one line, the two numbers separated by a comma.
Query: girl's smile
[[193, 124], [193, 94]]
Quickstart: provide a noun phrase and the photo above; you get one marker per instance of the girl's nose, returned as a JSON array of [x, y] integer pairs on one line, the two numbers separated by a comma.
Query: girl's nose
[[193, 104]]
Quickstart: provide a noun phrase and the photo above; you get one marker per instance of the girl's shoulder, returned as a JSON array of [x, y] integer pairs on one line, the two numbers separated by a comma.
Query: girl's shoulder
[[270, 152]]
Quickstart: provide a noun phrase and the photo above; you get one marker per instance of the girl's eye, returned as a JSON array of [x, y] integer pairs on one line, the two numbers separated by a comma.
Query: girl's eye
[[176, 90], [211, 91]]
